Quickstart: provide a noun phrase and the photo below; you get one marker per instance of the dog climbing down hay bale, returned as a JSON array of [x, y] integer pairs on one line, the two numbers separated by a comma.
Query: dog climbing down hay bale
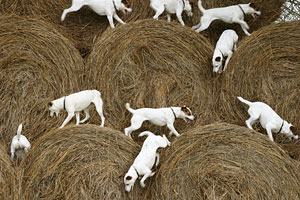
[[37, 65], [8, 177], [224, 161], [79, 162], [152, 64], [266, 68]]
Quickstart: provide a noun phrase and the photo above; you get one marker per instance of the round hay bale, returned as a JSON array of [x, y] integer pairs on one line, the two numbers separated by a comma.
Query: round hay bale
[[79, 162], [270, 9], [152, 64], [37, 65], [8, 177], [265, 67], [82, 26], [224, 161]]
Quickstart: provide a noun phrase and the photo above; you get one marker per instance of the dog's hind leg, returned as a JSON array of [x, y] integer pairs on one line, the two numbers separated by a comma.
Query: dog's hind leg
[[159, 10], [99, 107], [205, 22], [76, 5], [149, 173], [87, 115], [69, 117], [136, 123]]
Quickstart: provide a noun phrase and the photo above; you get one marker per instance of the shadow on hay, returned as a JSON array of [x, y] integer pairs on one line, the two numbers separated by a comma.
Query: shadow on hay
[[152, 64], [224, 161], [37, 65], [79, 162]]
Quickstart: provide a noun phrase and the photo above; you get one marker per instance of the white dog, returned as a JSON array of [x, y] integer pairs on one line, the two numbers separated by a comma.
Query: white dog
[[268, 119], [224, 48], [159, 117], [74, 103], [229, 14], [144, 162], [19, 141], [101, 7], [171, 6]]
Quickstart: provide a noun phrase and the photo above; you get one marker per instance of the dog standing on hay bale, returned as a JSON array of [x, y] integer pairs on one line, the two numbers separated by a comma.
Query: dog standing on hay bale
[[19, 141], [145, 160], [74, 103], [171, 6], [229, 14], [159, 117], [268, 119], [224, 50], [101, 7]]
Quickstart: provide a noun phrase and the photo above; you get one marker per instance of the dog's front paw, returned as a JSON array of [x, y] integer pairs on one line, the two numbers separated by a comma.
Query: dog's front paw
[[143, 185]]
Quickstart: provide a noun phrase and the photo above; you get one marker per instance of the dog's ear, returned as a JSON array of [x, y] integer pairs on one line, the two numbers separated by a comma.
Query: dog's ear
[[252, 5], [218, 59], [293, 128], [50, 104], [128, 178]]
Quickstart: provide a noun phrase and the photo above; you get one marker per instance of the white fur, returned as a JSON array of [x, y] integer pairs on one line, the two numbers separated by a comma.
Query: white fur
[[268, 119], [74, 103], [101, 7], [229, 14], [171, 6], [157, 116], [144, 162], [224, 48], [19, 141]]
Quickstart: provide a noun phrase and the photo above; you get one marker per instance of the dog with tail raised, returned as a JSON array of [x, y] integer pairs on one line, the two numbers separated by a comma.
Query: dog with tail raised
[[229, 14], [268, 119], [145, 160], [159, 117], [19, 141]]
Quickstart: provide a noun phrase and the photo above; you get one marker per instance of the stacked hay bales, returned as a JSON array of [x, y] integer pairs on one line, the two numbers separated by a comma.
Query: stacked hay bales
[[79, 162], [223, 161], [152, 64], [8, 177], [37, 65], [265, 68]]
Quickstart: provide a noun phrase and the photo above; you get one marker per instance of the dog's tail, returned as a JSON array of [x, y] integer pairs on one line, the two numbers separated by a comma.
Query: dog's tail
[[128, 108], [244, 101], [19, 131], [148, 133], [201, 7]]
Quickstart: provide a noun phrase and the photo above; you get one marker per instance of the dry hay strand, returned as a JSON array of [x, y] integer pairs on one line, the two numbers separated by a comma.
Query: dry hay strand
[[79, 162], [265, 67], [224, 161], [8, 178], [270, 9], [37, 64], [82, 26], [152, 64]]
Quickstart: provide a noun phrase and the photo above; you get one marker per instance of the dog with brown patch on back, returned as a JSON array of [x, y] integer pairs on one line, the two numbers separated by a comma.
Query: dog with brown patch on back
[[159, 117], [101, 7]]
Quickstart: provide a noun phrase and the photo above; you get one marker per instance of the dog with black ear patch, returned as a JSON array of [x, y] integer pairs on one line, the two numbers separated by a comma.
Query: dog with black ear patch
[[145, 160], [74, 103]]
